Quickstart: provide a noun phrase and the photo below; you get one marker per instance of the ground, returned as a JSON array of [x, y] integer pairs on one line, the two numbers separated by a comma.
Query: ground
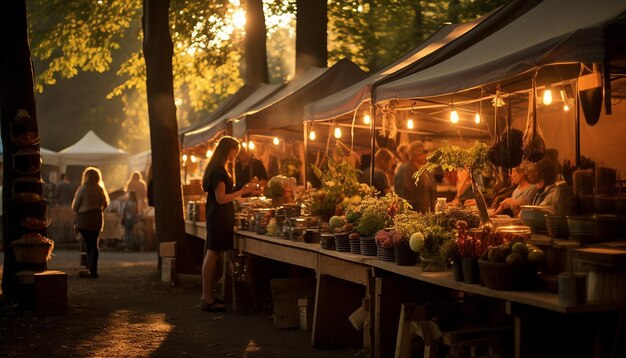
[[128, 312]]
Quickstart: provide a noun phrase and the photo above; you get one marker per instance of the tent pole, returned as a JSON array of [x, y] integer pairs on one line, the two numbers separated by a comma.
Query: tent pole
[[306, 153], [373, 142], [577, 127]]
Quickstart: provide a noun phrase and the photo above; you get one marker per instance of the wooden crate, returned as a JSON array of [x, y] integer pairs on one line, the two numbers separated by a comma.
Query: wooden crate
[[285, 294], [50, 292]]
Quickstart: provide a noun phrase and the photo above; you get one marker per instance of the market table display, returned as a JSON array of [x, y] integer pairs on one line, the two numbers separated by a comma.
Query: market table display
[[358, 269]]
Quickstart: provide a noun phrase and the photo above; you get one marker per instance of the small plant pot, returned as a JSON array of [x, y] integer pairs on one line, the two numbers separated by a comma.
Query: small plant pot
[[342, 242], [457, 270], [470, 270], [327, 241], [404, 255], [385, 253], [368, 246], [355, 246]]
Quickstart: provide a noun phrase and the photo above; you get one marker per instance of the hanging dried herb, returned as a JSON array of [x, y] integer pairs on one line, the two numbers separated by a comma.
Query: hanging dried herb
[[534, 145]]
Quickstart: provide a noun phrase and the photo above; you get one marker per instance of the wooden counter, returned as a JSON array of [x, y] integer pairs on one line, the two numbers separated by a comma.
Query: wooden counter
[[331, 266]]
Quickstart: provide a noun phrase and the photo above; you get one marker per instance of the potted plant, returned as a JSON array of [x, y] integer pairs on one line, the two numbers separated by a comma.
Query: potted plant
[[385, 242], [470, 248], [340, 188], [450, 253], [428, 243], [474, 160]]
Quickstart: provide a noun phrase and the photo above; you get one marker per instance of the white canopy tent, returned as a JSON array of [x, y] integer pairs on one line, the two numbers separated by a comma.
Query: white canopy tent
[[91, 150]]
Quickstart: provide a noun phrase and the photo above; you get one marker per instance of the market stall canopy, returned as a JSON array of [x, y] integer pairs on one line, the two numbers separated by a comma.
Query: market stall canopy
[[218, 124], [48, 157], [241, 94], [554, 31], [91, 150], [348, 100], [285, 107]]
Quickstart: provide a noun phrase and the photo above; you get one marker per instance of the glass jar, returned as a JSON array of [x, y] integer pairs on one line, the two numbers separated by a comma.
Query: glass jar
[[440, 206]]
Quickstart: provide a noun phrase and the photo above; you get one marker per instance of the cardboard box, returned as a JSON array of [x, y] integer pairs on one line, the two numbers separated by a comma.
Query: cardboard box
[[167, 249]]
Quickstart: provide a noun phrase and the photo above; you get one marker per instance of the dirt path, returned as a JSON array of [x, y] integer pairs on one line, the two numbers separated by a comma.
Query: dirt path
[[127, 312]]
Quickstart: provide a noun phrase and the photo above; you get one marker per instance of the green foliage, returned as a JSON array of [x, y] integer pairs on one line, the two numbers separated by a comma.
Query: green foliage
[[452, 157], [378, 213], [275, 185]]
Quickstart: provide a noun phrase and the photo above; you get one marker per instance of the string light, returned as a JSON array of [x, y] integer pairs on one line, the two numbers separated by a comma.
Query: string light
[[477, 118], [276, 140], [184, 157], [565, 100], [312, 135], [209, 153], [454, 115], [547, 96], [409, 124], [244, 144], [367, 119], [337, 132], [193, 159], [251, 145]]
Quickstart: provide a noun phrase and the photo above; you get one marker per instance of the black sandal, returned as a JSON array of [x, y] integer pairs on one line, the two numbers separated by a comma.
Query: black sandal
[[211, 307]]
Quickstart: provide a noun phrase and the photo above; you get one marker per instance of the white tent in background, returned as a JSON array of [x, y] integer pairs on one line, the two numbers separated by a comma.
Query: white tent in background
[[91, 150]]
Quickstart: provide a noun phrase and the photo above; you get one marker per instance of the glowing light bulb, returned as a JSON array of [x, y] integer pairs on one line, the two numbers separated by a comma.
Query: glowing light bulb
[[209, 153], [367, 119], [251, 145], [337, 132], [547, 96], [184, 157], [477, 118], [409, 124], [565, 107], [312, 135], [565, 100], [244, 144], [276, 140], [193, 159], [454, 115]]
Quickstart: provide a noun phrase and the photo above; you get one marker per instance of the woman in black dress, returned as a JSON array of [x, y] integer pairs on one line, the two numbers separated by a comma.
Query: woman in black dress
[[220, 215]]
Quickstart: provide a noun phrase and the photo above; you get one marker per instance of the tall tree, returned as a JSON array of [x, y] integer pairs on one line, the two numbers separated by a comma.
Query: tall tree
[[311, 37], [168, 205], [255, 50], [17, 97]]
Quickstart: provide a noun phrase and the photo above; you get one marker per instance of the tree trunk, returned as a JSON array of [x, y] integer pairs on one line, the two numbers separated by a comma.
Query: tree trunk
[[168, 205], [311, 37], [255, 49], [16, 94]]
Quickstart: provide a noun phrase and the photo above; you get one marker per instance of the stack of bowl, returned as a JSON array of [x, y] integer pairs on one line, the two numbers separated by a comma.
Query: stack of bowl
[[534, 216], [557, 225]]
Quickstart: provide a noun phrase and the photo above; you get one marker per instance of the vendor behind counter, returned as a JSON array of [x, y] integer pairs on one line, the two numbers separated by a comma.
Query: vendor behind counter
[[246, 168]]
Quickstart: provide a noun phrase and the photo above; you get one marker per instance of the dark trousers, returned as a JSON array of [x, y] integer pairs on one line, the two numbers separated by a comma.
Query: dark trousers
[[91, 242]]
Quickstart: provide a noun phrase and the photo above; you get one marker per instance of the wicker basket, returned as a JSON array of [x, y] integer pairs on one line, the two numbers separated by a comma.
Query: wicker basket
[[32, 253], [508, 277]]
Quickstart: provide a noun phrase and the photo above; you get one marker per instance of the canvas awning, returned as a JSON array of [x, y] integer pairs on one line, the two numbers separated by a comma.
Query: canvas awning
[[285, 107], [91, 150], [348, 100], [223, 107], [554, 31], [218, 124]]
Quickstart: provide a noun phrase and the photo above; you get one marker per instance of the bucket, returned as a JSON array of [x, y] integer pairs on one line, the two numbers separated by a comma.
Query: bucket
[[572, 289]]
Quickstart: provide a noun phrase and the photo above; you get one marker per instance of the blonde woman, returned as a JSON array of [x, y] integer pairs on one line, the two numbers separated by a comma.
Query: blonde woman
[[89, 202]]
